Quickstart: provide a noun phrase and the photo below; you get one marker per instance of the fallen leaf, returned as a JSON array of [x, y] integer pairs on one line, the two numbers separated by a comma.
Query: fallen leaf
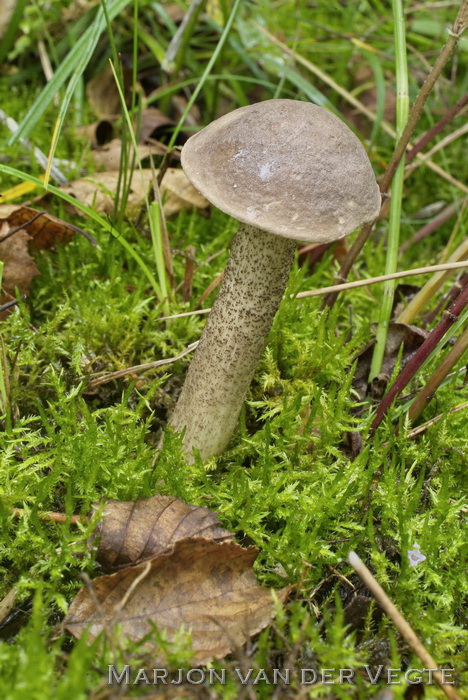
[[208, 587], [183, 193], [98, 133], [103, 95], [44, 229], [98, 190], [153, 124], [398, 333], [19, 268], [133, 531], [108, 156]]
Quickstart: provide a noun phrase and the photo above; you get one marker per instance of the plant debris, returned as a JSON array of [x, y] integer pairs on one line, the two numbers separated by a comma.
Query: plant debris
[[131, 532], [205, 586]]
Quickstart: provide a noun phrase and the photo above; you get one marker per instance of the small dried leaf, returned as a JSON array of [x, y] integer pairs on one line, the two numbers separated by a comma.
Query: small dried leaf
[[45, 230], [109, 155], [183, 193], [153, 124], [133, 531], [19, 268], [356, 611], [103, 95], [98, 190], [208, 587], [398, 333], [98, 133]]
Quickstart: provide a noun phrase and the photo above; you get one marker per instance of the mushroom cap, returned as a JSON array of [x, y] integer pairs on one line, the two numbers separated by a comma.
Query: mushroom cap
[[287, 167]]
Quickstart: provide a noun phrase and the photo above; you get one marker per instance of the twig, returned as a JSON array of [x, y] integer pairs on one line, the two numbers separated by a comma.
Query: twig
[[140, 368], [11, 303], [438, 147], [7, 604], [21, 227], [424, 426], [445, 215], [383, 278], [190, 265], [56, 517], [402, 625], [448, 319], [431, 386], [436, 129], [432, 285], [134, 585], [458, 27], [211, 287], [457, 30], [360, 106], [447, 299], [347, 285]]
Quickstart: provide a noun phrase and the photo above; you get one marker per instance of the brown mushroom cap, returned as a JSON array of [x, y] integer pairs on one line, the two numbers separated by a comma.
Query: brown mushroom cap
[[287, 167]]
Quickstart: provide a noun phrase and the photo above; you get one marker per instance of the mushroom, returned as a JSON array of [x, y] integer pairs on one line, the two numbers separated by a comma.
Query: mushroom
[[288, 171]]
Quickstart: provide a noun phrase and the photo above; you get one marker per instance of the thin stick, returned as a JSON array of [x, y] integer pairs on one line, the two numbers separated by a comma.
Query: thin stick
[[426, 230], [428, 391], [436, 129], [7, 604], [424, 426], [140, 368], [56, 517], [407, 632], [357, 103], [384, 278], [432, 285], [458, 28], [423, 352], [461, 131], [348, 285]]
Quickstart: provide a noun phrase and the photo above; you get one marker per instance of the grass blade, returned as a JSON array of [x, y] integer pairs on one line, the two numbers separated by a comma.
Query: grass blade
[[79, 55], [393, 241]]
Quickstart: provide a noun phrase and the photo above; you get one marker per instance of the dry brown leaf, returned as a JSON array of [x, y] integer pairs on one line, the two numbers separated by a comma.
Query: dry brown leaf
[[208, 587], [133, 531], [19, 268], [98, 190], [153, 124], [103, 95], [398, 333], [45, 230], [98, 133], [182, 192], [109, 155]]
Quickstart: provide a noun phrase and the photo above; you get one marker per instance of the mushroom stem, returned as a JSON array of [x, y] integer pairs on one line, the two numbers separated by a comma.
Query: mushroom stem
[[233, 340]]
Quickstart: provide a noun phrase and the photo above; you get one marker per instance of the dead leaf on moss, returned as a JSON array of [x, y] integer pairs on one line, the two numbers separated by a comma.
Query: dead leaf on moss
[[98, 190], [133, 531], [398, 333], [109, 155], [208, 587], [19, 267], [44, 229]]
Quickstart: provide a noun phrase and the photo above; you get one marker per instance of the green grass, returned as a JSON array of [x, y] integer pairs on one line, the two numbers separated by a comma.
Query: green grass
[[286, 484]]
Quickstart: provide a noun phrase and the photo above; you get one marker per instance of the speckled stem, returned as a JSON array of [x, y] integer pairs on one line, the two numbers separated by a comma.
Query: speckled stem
[[233, 340]]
